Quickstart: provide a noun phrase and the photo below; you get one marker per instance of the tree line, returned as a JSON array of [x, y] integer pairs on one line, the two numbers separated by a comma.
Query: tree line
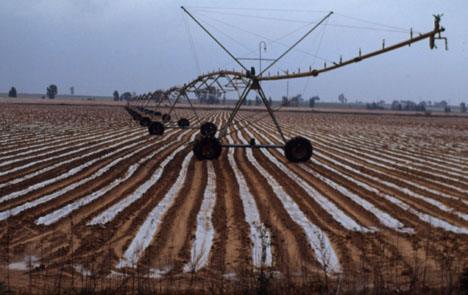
[[212, 95]]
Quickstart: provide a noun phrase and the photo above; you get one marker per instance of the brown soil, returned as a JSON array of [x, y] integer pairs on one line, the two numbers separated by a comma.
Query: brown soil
[[350, 140]]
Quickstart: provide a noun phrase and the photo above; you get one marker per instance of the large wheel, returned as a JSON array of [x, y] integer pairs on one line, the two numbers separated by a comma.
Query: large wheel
[[145, 121], [298, 149], [208, 129], [207, 148], [136, 117], [156, 128], [183, 122], [166, 117]]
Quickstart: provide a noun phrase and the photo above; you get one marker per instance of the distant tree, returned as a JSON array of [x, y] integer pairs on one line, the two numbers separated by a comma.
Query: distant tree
[[12, 92], [421, 107], [250, 102], [224, 98], [375, 106], [208, 95], [126, 96], [258, 101], [396, 106], [463, 107], [284, 101], [294, 101], [270, 101], [72, 90], [116, 95], [52, 91], [214, 94], [447, 109], [158, 95], [201, 95], [442, 104], [342, 98], [312, 101]]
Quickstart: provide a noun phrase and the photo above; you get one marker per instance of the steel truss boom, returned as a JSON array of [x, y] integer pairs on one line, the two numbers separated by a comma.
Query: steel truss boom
[[431, 35], [208, 146]]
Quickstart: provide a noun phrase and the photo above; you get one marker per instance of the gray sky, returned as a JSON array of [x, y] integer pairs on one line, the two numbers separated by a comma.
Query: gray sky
[[98, 46]]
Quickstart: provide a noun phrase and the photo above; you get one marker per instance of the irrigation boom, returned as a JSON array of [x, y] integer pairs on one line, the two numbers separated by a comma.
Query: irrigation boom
[[432, 35], [208, 146]]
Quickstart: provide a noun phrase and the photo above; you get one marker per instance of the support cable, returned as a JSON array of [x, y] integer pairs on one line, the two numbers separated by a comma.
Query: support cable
[[270, 41], [192, 45], [297, 42], [387, 28], [221, 45], [313, 61]]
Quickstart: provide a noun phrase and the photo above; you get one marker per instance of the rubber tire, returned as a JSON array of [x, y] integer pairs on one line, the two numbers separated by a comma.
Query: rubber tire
[[298, 149], [208, 129], [166, 117], [207, 148], [145, 121], [136, 117], [183, 122], [156, 128]]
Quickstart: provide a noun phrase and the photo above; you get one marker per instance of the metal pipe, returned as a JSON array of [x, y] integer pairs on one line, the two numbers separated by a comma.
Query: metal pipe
[[265, 146], [356, 59]]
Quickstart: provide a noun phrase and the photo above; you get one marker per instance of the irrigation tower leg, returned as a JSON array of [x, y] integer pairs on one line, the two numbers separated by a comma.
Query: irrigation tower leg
[[236, 109], [183, 93], [270, 111]]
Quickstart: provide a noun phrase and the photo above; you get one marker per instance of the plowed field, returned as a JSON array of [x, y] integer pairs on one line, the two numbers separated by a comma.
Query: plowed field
[[85, 192]]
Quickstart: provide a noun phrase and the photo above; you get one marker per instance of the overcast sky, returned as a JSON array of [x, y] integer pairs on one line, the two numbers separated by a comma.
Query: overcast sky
[[99, 46]]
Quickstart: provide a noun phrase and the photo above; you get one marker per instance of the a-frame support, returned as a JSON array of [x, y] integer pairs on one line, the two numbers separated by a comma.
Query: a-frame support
[[252, 85]]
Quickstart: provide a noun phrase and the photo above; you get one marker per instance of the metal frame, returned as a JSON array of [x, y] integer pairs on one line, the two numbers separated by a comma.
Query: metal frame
[[253, 81], [250, 81]]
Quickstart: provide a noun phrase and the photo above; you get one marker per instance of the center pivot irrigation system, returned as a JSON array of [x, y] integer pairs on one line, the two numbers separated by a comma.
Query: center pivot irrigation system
[[208, 145]]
